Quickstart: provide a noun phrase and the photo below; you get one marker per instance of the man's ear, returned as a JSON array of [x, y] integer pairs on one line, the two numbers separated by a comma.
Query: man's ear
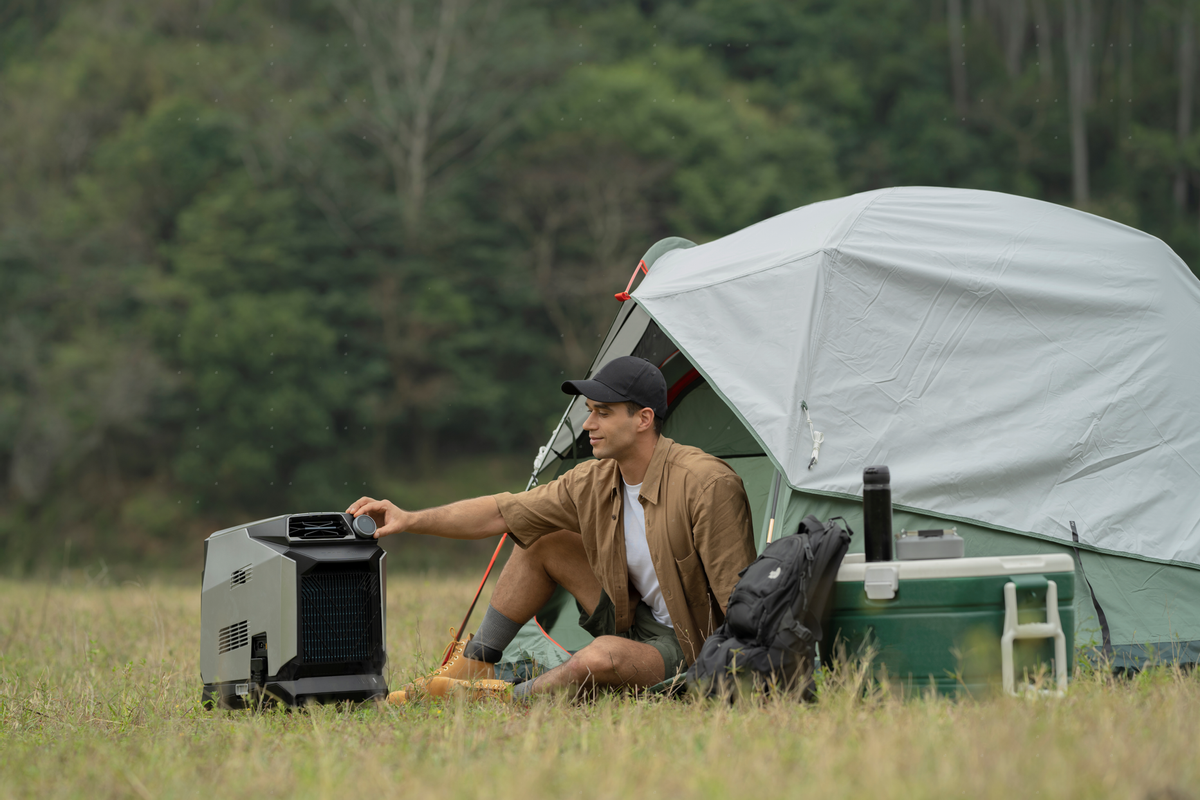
[[645, 419]]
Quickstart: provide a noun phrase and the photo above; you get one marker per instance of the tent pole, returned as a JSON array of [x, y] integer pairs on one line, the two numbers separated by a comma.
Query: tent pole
[[486, 572], [463, 626], [774, 506]]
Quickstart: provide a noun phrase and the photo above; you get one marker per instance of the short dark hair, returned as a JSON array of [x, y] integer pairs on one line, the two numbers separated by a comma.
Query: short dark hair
[[634, 408]]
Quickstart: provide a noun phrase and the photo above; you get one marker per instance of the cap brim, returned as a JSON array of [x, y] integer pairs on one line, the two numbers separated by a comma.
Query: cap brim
[[594, 390]]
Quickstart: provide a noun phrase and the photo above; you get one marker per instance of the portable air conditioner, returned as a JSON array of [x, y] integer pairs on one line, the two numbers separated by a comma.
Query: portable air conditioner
[[292, 609]]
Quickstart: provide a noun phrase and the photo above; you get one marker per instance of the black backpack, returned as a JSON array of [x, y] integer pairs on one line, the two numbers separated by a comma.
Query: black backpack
[[768, 640]]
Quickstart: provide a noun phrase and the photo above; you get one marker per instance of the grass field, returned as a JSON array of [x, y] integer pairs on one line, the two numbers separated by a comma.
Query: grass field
[[100, 688]]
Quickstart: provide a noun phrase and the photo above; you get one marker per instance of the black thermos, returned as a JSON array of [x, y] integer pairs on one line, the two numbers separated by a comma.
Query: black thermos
[[877, 513]]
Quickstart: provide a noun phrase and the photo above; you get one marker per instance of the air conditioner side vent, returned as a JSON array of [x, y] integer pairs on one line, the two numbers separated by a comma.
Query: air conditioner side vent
[[241, 575], [231, 637]]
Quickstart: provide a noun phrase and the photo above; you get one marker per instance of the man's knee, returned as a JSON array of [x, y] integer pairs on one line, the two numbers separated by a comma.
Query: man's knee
[[599, 660]]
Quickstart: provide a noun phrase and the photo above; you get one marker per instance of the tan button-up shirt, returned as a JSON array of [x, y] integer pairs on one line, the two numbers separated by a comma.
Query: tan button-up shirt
[[698, 531]]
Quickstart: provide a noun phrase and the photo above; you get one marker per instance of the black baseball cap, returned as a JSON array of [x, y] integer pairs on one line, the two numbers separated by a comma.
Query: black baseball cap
[[622, 380]]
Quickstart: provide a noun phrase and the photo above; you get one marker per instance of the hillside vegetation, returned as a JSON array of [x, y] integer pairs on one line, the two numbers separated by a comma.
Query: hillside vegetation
[[266, 257]]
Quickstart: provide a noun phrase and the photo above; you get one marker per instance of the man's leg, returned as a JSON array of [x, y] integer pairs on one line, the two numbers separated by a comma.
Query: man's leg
[[608, 661], [529, 577], [526, 583]]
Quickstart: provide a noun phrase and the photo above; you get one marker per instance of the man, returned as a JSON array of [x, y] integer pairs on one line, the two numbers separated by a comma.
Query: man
[[649, 539]]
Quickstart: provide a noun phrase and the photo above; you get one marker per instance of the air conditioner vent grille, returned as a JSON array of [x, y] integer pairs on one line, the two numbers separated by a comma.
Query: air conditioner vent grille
[[340, 616], [240, 576], [319, 526], [231, 637]]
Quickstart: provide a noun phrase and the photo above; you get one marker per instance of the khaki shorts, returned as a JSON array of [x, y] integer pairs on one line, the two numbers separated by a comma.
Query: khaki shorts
[[645, 629]]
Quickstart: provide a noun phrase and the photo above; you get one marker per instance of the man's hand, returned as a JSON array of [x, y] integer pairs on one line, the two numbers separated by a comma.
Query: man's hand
[[389, 518], [477, 518]]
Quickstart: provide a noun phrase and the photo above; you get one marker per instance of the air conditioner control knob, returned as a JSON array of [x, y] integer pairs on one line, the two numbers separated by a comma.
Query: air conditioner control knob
[[364, 527]]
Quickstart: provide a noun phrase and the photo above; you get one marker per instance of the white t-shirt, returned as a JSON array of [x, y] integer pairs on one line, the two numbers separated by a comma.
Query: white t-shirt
[[637, 555]]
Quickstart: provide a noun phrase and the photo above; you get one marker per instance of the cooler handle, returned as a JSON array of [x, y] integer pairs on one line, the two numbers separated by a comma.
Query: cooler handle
[[1052, 627]]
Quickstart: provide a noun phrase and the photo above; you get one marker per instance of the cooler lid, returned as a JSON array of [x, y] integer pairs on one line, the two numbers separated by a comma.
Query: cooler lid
[[854, 566]]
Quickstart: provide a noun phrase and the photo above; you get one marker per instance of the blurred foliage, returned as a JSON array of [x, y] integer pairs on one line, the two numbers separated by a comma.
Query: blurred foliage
[[260, 258]]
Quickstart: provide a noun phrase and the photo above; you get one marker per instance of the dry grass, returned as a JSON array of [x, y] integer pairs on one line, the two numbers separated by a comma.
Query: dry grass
[[99, 697]]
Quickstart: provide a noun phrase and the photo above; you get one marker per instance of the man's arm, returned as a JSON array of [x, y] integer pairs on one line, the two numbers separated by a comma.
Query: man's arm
[[477, 518]]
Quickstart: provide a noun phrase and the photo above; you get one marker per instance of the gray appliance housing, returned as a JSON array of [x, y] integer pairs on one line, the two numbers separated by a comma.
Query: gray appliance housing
[[293, 609]]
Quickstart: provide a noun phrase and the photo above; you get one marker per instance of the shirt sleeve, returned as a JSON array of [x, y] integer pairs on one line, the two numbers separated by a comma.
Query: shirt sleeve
[[724, 535], [543, 509]]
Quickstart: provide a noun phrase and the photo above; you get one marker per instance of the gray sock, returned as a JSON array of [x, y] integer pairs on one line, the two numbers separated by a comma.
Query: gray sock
[[494, 634], [522, 690]]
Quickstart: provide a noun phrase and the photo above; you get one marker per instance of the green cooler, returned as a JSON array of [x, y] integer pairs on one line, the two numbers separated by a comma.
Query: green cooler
[[958, 625]]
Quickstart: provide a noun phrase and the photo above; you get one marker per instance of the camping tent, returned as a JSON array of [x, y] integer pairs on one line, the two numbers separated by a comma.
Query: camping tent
[[1019, 366]]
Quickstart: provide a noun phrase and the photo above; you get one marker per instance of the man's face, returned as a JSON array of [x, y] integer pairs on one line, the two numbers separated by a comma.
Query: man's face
[[612, 430]]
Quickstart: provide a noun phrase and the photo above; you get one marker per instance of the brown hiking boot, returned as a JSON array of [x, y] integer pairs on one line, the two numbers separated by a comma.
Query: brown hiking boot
[[479, 690], [457, 667], [476, 690]]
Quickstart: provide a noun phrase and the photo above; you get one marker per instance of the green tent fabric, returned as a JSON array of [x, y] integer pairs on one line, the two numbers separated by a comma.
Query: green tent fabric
[[1019, 365]]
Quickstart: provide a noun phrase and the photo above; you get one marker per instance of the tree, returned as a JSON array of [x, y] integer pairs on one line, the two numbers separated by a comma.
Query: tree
[[1187, 75], [583, 208], [1078, 37], [958, 54], [446, 84]]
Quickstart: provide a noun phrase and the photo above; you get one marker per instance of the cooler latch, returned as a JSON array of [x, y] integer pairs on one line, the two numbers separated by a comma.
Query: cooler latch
[[880, 581], [1051, 628]]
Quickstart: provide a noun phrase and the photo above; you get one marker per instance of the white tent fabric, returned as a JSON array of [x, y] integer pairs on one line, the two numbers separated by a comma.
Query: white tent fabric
[[1014, 362]]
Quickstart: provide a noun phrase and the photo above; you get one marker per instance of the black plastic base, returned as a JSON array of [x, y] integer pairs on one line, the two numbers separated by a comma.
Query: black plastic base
[[331, 689]]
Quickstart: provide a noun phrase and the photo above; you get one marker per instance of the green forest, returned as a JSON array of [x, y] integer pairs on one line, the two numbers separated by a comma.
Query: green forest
[[260, 258]]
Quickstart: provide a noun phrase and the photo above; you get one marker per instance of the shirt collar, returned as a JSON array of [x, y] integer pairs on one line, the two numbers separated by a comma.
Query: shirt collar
[[650, 483], [654, 472]]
